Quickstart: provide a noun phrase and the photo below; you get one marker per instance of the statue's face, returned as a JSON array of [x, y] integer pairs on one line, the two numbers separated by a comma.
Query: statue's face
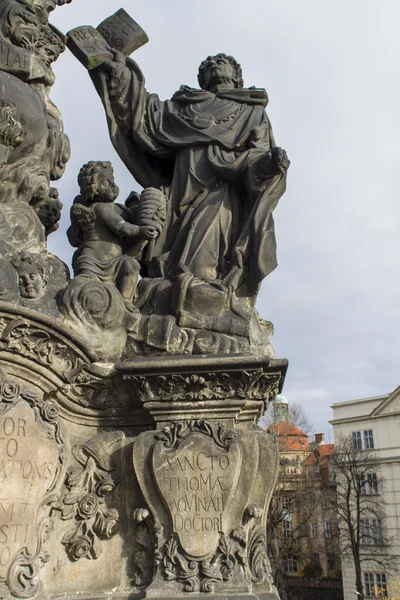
[[49, 212], [31, 283], [24, 25], [218, 70], [107, 190]]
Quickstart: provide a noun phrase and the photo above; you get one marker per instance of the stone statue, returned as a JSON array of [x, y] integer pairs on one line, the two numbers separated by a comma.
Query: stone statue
[[98, 229], [130, 393], [49, 211], [212, 153]]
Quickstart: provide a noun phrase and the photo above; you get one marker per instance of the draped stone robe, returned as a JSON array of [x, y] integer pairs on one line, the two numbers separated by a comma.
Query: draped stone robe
[[202, 149]]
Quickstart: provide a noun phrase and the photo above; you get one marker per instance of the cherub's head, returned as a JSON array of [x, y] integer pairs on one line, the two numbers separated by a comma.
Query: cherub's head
[[49, 211], [32, 275], [96, 182]]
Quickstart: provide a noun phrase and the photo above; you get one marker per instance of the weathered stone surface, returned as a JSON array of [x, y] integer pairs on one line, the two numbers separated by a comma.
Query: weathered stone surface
[[30, 471], [197, 481], [122, 32], [208, 498], [88, 46], [131, 465]]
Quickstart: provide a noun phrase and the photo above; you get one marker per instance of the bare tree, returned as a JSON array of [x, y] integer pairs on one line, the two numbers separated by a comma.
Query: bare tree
[[359, 508]]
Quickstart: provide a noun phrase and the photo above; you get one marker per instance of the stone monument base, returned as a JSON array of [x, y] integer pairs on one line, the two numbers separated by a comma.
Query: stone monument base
[[141, 479]]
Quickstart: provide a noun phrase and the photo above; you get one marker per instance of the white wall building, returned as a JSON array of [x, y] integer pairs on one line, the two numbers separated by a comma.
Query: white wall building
[[374, 423]]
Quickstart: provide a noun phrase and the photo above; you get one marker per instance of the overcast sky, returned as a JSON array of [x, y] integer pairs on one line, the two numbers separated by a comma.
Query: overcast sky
[[331, 69]]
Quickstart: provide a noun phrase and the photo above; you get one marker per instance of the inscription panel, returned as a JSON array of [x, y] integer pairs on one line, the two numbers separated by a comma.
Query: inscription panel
[[197, 482], [28, 468]]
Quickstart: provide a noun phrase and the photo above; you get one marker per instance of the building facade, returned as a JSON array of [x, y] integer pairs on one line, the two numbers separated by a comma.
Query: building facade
[[302, 528], [373, 424]]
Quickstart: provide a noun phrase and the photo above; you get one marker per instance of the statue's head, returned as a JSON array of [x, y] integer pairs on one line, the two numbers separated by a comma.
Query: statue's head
[[96, 181], [218, 69], [50, 45], [19, 22], [49, 211], [32, 274]]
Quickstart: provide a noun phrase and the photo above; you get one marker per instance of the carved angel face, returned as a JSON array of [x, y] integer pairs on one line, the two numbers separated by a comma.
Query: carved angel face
[[107, 190], [31, 281], [49, 212]]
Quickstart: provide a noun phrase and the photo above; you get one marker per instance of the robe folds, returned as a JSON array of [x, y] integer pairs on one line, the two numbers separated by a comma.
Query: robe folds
[[203, 151]]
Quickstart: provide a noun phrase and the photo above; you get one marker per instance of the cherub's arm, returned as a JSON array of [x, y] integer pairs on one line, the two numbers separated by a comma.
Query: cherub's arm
[[74, 235], [116, 223]]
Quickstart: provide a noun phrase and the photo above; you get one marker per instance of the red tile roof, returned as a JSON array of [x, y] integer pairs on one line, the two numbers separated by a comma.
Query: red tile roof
[[289, 436]]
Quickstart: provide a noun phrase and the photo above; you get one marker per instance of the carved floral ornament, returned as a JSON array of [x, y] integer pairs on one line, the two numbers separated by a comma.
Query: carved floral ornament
[[83, 501], [256, 385], [22, 337]]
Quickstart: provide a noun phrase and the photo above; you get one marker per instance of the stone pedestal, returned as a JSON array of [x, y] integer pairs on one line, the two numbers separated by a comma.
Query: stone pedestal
[[139, 479]]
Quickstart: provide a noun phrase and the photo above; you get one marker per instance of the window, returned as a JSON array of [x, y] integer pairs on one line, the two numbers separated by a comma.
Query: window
[[286, 500], [357, 441], [377, 531], [369, 483], [314, 530], [372, 483], [381, 585], [315, 557], [369, 584], [287, 529], [371, 531], [375, 585], [291, 564], [328, 529], [368, 439], [331, 562]]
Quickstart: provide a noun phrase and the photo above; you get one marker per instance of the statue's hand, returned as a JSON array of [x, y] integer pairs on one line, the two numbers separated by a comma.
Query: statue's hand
[[115, 64], [280, 158], [148, 232], [273, 162]]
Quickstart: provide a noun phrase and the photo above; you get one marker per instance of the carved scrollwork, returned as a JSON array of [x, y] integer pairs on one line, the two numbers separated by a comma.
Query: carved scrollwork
[[260, 386], [86, 486], [198, 575], [251, 552], [91, 391], [146, 556], [24, 338], [22, 577], [173, 435]]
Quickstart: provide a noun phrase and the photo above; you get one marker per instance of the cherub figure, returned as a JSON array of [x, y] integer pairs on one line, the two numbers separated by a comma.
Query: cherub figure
[[49, 211], [98, 229]]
